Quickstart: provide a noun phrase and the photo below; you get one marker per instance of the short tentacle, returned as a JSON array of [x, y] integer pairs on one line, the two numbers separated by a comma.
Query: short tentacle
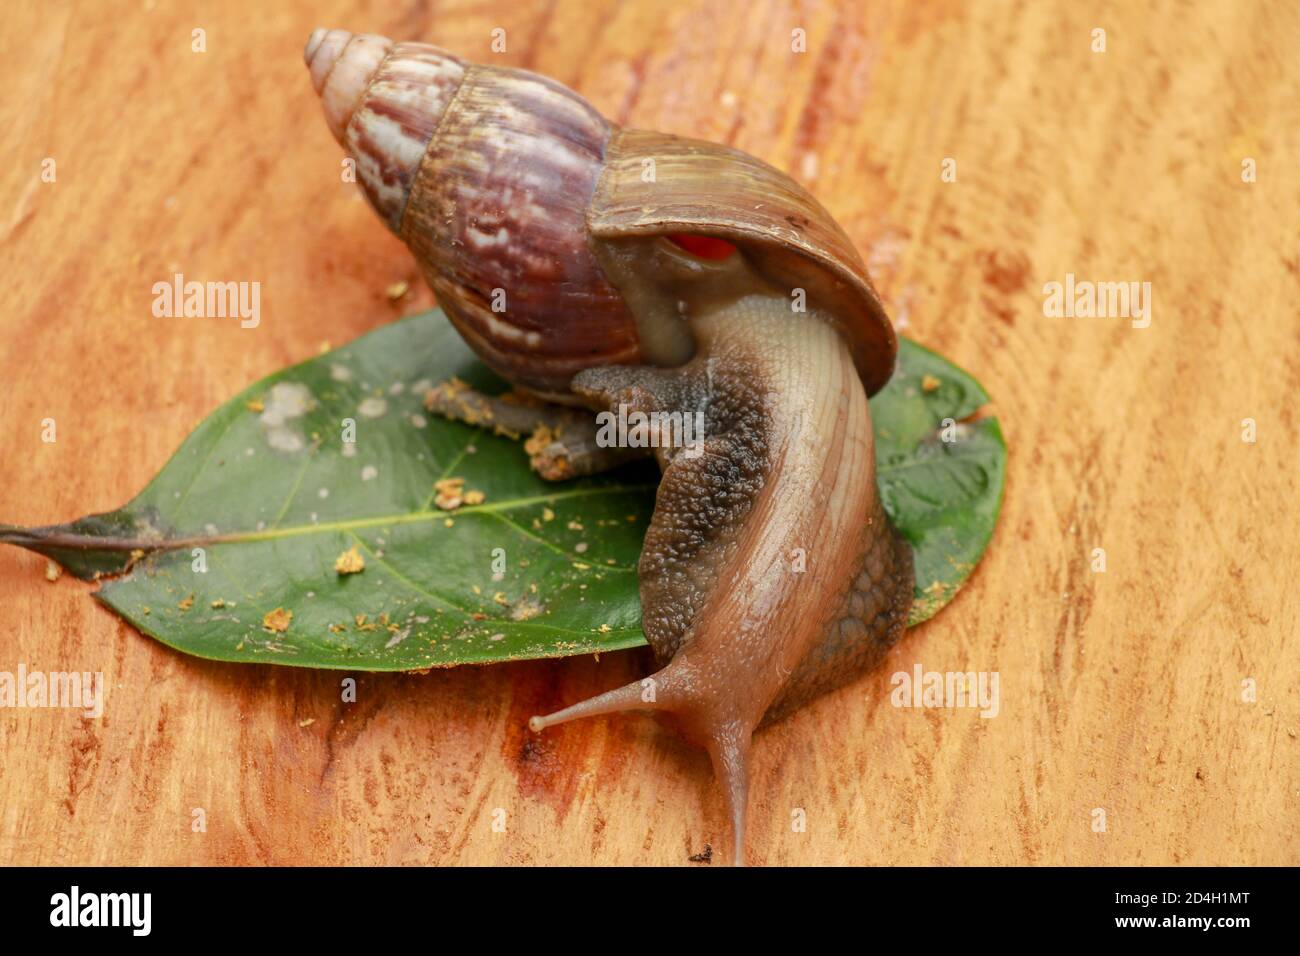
[[631, 696]]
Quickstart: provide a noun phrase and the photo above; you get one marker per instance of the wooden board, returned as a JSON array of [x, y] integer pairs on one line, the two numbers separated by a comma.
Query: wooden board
[[1120, 690]]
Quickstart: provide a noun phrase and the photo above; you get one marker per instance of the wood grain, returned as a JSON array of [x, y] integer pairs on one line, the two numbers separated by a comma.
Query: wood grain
[[1120, 690]]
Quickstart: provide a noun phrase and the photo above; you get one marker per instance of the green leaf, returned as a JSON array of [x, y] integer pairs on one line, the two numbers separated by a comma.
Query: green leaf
[[944, 495], [255, 507]]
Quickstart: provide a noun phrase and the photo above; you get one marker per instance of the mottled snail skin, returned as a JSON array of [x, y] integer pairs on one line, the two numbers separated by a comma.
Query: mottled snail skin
[[501, 179]]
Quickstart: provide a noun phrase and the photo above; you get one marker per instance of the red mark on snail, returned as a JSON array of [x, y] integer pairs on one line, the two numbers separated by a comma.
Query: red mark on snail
[[705, 247]]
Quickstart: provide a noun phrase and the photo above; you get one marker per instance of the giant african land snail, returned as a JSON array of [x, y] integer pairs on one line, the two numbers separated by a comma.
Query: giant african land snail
[[502, 179]]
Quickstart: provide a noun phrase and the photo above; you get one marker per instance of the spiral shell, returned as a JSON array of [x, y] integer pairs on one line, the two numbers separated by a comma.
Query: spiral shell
[[494, 207]]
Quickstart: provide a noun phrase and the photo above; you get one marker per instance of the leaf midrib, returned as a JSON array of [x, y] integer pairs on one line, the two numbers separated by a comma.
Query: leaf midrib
[[415, 517]]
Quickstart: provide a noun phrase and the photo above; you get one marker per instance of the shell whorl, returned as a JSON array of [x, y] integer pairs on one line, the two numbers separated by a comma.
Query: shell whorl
[[382, 101]]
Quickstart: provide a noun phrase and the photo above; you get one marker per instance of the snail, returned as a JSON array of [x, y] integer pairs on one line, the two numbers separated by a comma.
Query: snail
[[660, 274]]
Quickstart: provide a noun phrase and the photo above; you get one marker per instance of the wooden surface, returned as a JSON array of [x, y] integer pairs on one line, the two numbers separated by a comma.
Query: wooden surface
[[1120, 690]]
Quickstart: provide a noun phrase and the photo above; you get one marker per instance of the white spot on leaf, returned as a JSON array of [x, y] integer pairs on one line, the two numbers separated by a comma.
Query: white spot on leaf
[[372, 407]]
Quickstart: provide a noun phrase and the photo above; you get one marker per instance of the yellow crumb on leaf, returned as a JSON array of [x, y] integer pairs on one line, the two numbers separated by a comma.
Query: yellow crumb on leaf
[[350, 562], [255, 405], [52, 571], [307, 723], [539, 440], [604, 629], [277, 621], [548, 514], [219, 603], [397, 290], [450, 493], [187, 603], [475, 497], [930, 384], [448, 390]]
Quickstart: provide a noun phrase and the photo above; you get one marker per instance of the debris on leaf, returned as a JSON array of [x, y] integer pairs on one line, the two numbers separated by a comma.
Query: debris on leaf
[[450, 494], [350, 562], [397, 290], [475, 497], [187, 603], [255, 405], [541, 438], [525, 610], [52, 571], [930, 384], [448, 389], [307, 723], [277, 621]]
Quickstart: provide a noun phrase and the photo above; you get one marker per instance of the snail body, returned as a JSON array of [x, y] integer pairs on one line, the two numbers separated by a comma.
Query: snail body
[[659, 273]]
